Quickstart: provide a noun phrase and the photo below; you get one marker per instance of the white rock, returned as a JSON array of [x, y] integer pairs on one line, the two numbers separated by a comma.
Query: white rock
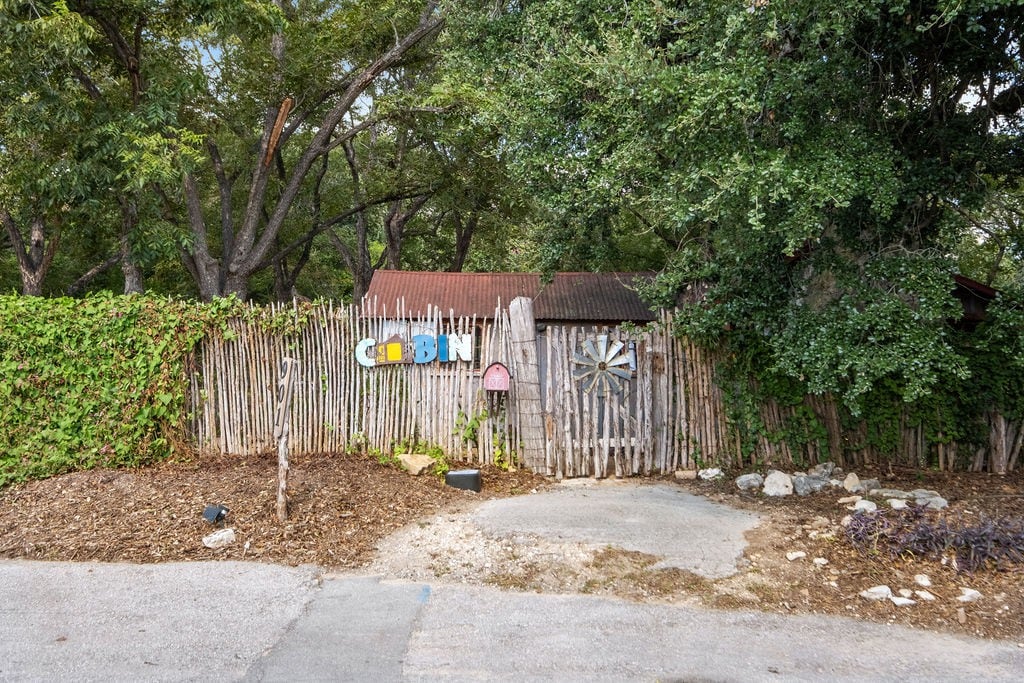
[[905, 592], [968, 595], [745, 482], [220, 538], [890, 493], [924, 595], [845, 521], [897, 503], [877, 593], [865, 505], [922, 580], [820, 561], [852, 482], [415, 463], [710, 473], [848, 499], [934, 503], [796, 555], [902, 602], [778, 484]]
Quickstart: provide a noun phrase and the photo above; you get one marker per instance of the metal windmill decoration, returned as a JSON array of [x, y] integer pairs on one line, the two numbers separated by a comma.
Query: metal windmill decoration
[[602, 365]]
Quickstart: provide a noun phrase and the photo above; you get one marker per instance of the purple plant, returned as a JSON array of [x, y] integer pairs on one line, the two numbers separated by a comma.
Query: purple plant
[[919, 532]]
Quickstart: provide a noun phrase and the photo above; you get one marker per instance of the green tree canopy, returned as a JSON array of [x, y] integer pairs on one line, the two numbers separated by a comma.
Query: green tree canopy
[[809, 161]]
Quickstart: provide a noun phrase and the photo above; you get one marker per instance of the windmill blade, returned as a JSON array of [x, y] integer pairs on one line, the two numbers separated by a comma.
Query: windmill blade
[[618, 360], [602, 347], [588, 383], [624, 373], [580, 373], [583, 360], [588, 348], [614, 350]]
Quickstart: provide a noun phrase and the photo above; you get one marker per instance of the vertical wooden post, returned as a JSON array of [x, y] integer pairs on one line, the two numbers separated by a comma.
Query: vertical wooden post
[[527, 379], [281, 424]]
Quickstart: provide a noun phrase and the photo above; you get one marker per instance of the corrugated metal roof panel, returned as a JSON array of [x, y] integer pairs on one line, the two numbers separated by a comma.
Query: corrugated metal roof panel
[[596, 297], [457, 294]]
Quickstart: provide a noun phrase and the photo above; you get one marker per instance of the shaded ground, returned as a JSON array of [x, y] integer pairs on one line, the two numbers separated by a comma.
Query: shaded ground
[[343, 506]]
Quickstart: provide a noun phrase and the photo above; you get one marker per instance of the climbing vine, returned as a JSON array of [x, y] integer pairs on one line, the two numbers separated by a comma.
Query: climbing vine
[[99, 381]]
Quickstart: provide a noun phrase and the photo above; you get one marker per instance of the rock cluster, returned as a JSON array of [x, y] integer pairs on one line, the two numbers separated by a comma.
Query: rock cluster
[[826, 476], [905, 596]]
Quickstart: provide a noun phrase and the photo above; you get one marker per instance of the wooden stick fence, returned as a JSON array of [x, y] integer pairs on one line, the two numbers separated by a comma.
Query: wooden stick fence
[[669, 414]]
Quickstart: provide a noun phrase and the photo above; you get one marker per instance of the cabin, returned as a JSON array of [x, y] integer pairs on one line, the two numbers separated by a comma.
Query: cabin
[[582, 380]]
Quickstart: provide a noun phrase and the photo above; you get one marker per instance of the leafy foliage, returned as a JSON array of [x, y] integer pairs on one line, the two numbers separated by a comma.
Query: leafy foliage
[[94, 382], [815, 165], [915, 530]]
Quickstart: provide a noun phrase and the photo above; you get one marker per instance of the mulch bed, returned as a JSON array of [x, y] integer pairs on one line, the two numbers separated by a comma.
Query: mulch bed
[[339, 507]]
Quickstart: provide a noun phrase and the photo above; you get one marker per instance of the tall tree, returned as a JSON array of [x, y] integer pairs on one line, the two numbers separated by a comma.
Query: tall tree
[[44, 166], [807, 159], [101, 85], [304, 84]]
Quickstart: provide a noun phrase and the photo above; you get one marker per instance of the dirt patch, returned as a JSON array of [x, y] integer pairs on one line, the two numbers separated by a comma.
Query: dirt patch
[[811, 524], [351, 512]]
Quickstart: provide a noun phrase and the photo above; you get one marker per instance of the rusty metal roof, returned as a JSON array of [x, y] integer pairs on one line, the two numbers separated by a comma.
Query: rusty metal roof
[[592, 297]]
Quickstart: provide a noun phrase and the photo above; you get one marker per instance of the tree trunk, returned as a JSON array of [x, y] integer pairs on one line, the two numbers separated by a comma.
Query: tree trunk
[[463, 238], [204, 268], [394, 228], [133, 281], [34, 261]]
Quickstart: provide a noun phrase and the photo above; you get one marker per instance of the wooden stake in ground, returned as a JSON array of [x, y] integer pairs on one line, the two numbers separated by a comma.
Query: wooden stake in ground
[[284, 393]]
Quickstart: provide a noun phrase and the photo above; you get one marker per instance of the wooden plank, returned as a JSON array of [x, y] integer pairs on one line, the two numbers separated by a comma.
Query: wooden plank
[[524, 342]]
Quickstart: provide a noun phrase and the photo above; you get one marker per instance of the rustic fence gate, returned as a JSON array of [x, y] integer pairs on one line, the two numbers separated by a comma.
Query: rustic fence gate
[[630, 417], [583, 414]]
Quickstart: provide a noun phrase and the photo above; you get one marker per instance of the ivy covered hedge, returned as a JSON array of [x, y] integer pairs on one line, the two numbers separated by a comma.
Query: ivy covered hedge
[[99, 381]]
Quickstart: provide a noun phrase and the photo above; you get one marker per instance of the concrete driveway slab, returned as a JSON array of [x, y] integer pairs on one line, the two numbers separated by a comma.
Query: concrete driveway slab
[[687, 531]]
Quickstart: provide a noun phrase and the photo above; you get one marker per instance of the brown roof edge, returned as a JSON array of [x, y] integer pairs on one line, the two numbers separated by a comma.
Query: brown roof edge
[[976, 287]]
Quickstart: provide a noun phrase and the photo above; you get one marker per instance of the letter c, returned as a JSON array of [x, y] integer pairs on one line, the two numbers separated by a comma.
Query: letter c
[[364, 358]]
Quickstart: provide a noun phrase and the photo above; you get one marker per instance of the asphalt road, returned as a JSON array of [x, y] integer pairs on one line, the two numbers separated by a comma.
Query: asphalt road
[[228, 621]]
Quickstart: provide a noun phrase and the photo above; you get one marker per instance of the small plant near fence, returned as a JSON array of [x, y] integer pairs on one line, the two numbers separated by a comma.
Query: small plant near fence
[[916, 531], [414, 445]]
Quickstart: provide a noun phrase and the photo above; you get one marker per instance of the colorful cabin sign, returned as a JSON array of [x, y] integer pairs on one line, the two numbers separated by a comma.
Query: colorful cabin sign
[[496, 377], [422, 348]]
